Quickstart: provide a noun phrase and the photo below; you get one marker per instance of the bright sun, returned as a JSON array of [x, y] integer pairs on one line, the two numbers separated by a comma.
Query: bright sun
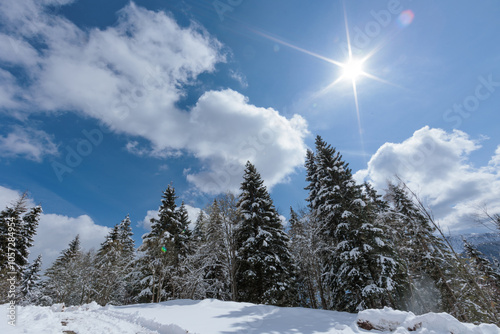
[[352, 69]]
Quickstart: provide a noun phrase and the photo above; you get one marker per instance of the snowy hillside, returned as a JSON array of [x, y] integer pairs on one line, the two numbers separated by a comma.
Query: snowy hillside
[[486, 243], [215, 317]]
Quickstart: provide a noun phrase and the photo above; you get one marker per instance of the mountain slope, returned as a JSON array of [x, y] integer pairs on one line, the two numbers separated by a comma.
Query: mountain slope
[[486, 243]]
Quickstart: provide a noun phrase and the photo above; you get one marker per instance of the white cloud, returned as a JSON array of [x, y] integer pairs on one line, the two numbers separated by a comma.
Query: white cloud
[[8, 197], [495, 160], [239, 77], [146, 222], [130, 77], [435, 164], [193, 214], [27, 142], [284, 221], [229, 131], [191, 210], [56, 231], [9, 91]]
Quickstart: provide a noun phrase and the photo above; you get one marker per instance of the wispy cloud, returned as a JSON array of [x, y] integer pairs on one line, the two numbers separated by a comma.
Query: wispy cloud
[[29, 143], [239, 77]]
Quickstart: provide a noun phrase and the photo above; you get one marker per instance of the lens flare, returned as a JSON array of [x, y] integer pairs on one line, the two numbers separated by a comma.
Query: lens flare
[[406, 18], [164, 249]]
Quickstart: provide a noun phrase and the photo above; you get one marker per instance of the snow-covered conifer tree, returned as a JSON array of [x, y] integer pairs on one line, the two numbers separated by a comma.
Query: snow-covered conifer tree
[[17, 230], [30, 287], [485, 274], [162, 252], [113, 264], [359, 268], [212, 265], [70, 278], [265, 269]]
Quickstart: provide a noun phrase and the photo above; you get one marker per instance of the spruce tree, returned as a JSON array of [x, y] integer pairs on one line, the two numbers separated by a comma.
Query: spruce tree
[[425, 256], [359, 267], [211, 256], [265, 271], [305, 246], [212, 265], [197, 234], [30, 287], [17, 230], [63, 276], [485, 274], [162, 252], [439, 280], [185, 234], [113, 265]]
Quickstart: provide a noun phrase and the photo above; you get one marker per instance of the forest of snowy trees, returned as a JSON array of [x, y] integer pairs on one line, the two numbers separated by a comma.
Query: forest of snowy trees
[[349, 250]]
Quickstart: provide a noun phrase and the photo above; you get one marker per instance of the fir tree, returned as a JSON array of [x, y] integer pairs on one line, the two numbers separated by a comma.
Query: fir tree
[[113, 264], [485, 274], [359, 267], [305, 246], [17, 230], [212, 265], [185, 234], [163, 251], [265, 272], [425, 256], [439, 280], [68, 278], [198, 228], [210, 257], [30, 287]]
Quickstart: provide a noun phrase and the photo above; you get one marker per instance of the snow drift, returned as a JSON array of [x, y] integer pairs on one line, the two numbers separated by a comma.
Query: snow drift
[[216, 317]]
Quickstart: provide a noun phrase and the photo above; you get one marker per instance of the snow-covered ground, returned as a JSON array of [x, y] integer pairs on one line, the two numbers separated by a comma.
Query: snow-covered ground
[[216, 317]]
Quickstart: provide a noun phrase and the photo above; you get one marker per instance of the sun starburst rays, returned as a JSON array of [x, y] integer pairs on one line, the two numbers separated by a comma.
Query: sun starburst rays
[[353, 69]]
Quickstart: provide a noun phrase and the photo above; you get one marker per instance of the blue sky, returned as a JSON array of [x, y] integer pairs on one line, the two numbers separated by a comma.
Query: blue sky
[[103, 104]]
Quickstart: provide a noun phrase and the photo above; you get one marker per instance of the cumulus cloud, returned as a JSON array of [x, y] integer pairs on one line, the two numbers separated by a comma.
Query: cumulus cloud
[[495, 160], [435, 164], [146, 222], [8, 197], [229, 131], [132, 75], [52, 233], [27, 142], [193, 214], [192, 211]]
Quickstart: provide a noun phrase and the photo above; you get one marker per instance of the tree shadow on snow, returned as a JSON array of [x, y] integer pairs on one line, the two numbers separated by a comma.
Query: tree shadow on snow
[[270, 319]]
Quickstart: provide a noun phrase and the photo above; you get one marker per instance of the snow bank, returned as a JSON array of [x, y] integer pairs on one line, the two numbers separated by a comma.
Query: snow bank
[[31, 319], [400, 322], [216, 317]]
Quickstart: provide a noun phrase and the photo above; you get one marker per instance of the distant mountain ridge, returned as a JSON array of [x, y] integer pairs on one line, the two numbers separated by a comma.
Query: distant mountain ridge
[[486, 243]]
